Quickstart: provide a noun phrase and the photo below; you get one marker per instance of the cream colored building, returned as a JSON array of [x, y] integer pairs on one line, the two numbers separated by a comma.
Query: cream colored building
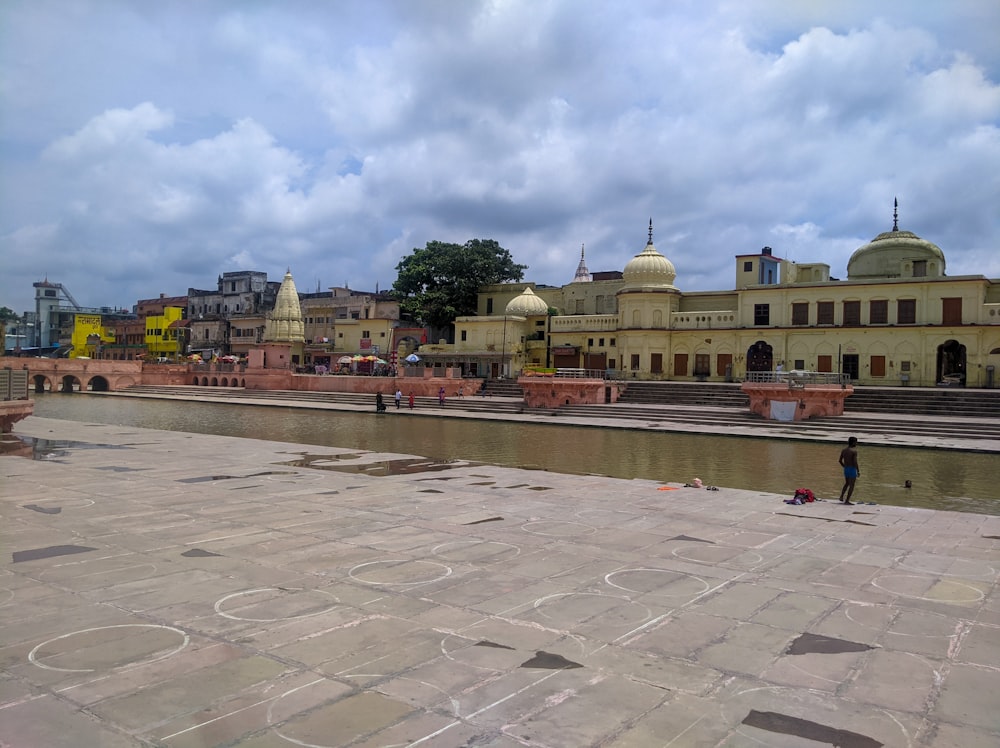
[[896, 319]]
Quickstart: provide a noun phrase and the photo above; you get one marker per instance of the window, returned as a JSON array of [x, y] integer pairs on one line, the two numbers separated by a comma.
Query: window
[[852, 313], [920, 268], [878, 312], [579, 306], [762, 314], [824, 313], [800, 314], [656, 363], [590, 342], [951, 311], [600, 342], [635, 362], [365, 334], [748, 266], [612, 342], [799, 364], [381, 334], [906, 311], [489, 306], [464, 335]]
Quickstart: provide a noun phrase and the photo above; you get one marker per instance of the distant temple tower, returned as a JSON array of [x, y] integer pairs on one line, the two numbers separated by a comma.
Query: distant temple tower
[[284, 323], [582, 274], [284, 331]]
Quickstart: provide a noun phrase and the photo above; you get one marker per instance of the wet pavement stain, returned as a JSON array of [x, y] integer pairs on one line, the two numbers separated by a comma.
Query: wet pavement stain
[[403, 466], [199, 553], [207, 478], [310, 460], [485, 643], [693, 540], [490, 519], [430, 490], [540, 488], [43, 509], [549, 661], [120, 469], [828, 519], [808, 730], [819, 644], [484, 483], [49, 552]]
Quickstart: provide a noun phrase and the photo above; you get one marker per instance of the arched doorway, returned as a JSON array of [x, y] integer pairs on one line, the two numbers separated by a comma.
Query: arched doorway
[[99, 384], [951, 363], [759, 357]]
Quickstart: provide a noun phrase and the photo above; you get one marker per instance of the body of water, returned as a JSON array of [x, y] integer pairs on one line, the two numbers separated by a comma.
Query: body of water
[[941, 479]]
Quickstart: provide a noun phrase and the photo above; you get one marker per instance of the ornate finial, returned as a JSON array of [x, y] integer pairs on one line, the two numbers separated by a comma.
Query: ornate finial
[[895, 214], [582, 247], [650, 231]]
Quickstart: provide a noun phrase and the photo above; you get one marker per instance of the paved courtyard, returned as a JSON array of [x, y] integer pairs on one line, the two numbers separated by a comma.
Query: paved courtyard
[[170, 589]]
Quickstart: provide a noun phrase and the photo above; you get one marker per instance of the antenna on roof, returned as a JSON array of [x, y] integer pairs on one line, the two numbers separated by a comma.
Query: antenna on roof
[[895, 214]]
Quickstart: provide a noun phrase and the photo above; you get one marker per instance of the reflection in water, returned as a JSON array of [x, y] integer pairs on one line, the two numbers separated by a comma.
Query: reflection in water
[[941, 479]]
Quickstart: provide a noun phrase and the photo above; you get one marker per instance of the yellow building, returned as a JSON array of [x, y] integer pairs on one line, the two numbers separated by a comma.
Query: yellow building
[[897, 319], [164, 339], [89, 335]]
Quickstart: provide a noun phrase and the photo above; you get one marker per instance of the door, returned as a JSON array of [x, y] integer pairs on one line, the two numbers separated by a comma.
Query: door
[[759, 357], [724, 365], [680, 364], [850, 365]]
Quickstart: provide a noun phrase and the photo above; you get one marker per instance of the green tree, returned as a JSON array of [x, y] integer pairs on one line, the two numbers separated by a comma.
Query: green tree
[[441, 281], [7, 315]]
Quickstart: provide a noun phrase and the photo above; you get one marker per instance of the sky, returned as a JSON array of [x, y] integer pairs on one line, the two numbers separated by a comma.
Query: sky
[[146, 148]]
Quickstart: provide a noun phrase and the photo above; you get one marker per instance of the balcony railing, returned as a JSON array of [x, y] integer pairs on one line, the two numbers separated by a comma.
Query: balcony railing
[[797, 378]]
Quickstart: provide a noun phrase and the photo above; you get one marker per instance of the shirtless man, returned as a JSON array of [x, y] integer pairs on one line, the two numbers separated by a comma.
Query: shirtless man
[[849, 461]]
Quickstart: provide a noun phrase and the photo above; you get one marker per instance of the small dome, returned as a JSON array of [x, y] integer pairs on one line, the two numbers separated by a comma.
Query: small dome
[[527, 305], [649, 269], [883, 256]]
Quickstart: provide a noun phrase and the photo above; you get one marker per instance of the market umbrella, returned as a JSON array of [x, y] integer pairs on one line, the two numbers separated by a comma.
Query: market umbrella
[[344, 360], [381, 361], [412, 358], [371, 358], [357, 357]]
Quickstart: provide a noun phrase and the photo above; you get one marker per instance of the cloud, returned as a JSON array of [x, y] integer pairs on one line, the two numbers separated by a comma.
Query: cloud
[[178, 141]]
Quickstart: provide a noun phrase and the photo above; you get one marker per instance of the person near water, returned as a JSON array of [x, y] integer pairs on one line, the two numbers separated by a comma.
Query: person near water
[[849, 461], [379, 403], [441, 396], [399, 398], [411, 401]]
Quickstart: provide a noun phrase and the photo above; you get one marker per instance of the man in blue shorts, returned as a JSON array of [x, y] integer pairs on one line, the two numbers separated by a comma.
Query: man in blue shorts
[[849, 461]]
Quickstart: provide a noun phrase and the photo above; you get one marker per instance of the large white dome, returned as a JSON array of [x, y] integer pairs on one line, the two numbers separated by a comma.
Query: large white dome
[[528, 304], [649, 269]]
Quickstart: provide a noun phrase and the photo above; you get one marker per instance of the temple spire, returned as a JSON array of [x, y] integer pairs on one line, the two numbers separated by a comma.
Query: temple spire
[[582, 273], [895, 214], [650, 232]]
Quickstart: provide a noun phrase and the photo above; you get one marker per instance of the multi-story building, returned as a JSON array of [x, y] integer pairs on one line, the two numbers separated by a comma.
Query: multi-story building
[[231, 318], [896, 319], [341, 322]]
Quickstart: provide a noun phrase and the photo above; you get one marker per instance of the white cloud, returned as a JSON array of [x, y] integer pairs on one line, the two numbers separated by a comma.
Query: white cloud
[[190, 139]]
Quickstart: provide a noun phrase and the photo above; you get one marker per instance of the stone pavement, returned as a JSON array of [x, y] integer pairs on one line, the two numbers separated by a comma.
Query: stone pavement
[[170, 589]]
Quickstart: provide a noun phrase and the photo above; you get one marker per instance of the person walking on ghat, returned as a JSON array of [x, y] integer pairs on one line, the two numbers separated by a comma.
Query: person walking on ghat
[[411, 401], [399, 397], [849, 461]]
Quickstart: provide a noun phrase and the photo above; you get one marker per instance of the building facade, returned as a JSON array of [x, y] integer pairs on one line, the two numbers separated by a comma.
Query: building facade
[[897, 319]]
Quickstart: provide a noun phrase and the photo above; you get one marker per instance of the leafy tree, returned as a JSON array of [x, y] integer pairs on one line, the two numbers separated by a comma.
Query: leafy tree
[[441, 281]]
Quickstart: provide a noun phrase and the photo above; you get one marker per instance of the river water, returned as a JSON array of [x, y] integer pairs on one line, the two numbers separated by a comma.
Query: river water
[[942, 479]]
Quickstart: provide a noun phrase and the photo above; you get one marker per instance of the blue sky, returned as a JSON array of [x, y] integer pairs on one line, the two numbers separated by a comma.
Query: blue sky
[[147, 147]]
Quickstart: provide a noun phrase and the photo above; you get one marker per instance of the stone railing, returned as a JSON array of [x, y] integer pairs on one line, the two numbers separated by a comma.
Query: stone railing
[[797, 378]]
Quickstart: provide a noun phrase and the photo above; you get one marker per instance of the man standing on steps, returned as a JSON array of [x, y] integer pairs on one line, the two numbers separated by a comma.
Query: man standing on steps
[[849, 461]]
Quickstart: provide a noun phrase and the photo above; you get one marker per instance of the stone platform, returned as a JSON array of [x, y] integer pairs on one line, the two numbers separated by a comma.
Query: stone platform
[[169, 589]]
